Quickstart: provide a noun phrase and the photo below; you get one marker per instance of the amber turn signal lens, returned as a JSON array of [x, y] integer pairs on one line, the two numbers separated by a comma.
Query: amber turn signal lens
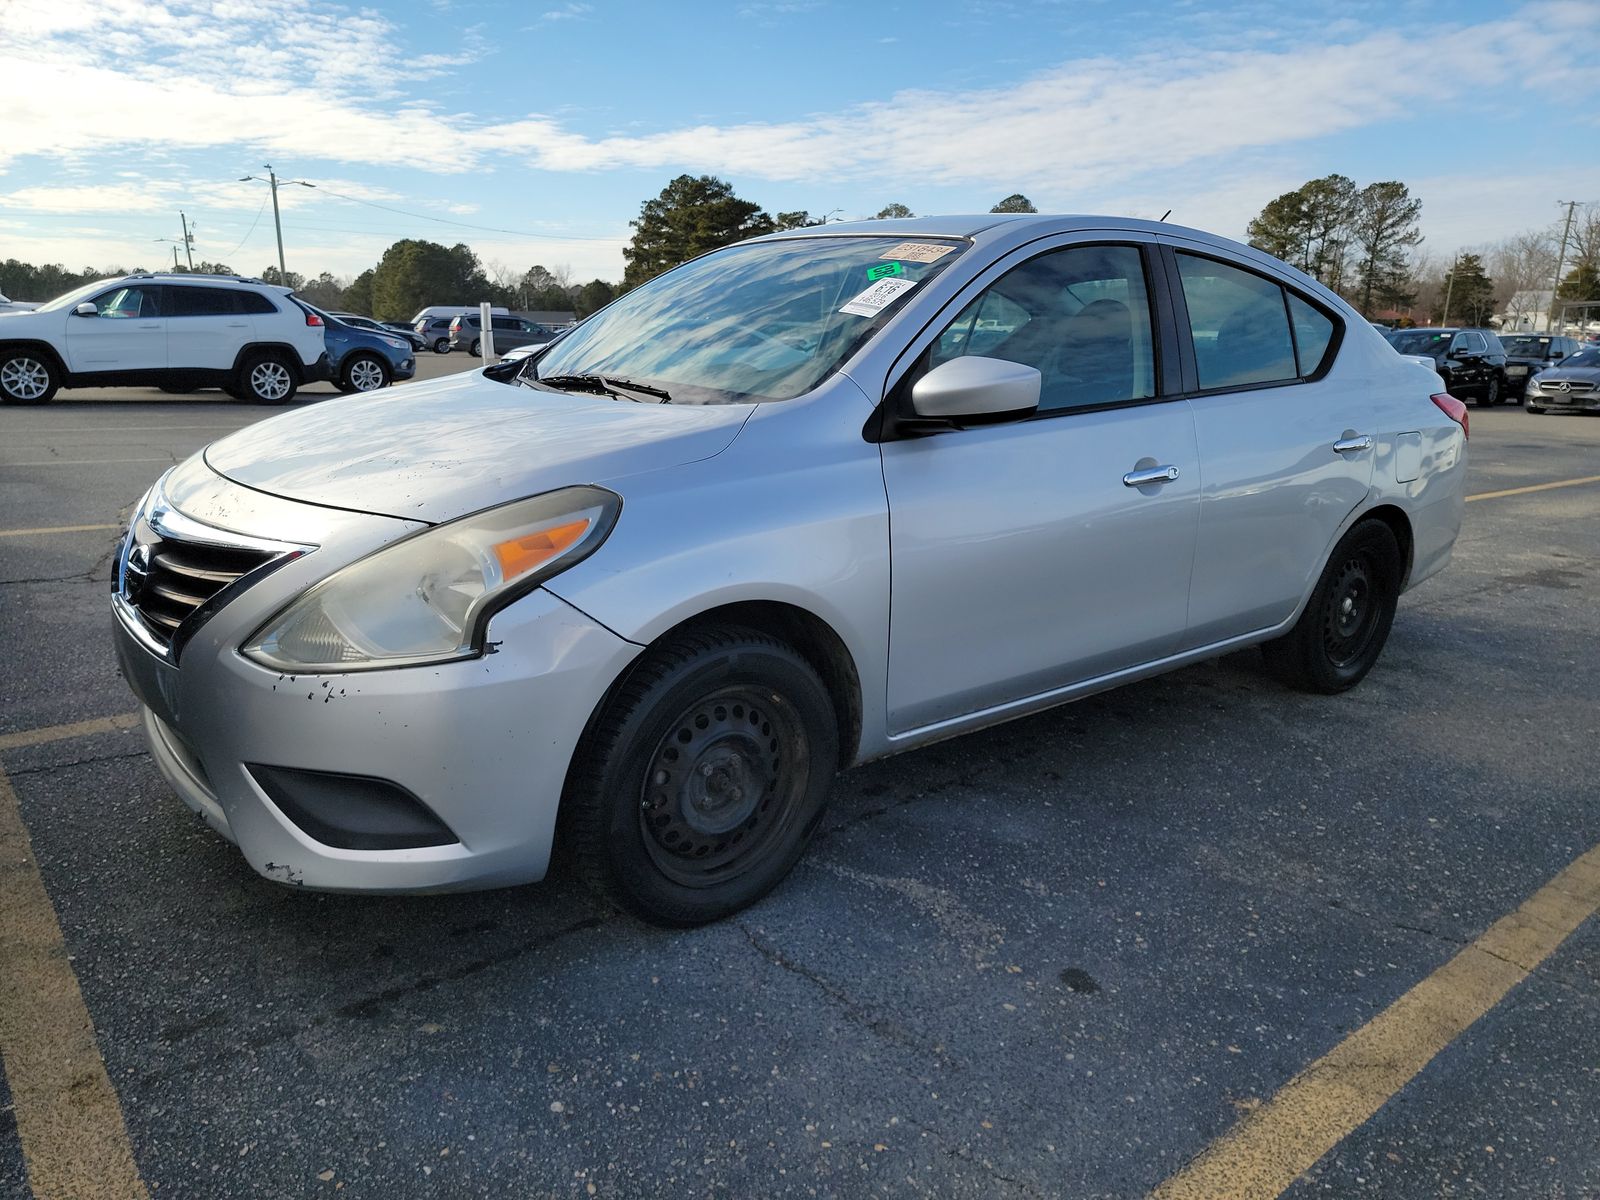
[[521, 555]]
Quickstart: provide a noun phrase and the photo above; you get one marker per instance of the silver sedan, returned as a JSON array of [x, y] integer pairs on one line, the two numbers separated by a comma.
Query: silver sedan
[[802, 502]]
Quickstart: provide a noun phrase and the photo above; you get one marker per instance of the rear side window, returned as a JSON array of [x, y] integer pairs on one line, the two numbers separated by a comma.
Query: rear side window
[[254, 302], [1313, 333], [1239, 325], [199, 302]]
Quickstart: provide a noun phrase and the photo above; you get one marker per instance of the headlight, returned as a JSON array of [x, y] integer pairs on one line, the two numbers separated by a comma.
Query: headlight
[[396, 343], [428, 598]]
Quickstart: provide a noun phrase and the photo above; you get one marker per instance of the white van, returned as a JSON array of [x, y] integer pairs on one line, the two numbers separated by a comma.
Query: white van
[[455, 310]]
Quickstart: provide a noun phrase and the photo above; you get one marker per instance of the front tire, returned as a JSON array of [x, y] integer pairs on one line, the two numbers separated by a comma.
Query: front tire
[[1343, 629], [364, 373], [267, 379], [696, 788], [27, 377]]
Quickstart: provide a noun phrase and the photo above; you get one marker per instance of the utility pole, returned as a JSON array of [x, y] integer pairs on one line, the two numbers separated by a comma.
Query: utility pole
[[1449, 286], [1561, 262], [188, 242], [277, 221], [174, 256]]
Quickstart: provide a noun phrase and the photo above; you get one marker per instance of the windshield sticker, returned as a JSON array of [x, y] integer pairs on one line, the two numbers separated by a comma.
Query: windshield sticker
[[918, 251], [893, 268], [877, 297]]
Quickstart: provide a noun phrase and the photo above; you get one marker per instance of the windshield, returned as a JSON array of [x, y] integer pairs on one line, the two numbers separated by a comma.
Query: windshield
[[1589, 356], [75, 295], [759, 321], [1527, 347], [1431, 342]]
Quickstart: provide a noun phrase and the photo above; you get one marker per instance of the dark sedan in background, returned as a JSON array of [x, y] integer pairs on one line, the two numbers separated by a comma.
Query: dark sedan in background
[[1472, 362], [1529, 353], [1572, 385]]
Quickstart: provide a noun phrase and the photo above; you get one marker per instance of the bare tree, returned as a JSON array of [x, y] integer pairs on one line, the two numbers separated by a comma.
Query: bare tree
[[1522, 267]]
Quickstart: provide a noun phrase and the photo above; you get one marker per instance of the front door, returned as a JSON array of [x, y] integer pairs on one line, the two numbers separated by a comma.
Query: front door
[[1288, 446], [129, 333], [1032, 555]]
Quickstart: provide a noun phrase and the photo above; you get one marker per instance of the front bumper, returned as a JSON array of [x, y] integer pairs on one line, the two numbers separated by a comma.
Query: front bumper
[[405, 368], [483, 744], [1557, 402]]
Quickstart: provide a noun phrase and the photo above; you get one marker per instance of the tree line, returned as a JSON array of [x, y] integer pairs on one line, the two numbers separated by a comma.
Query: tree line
[[1366, 244]]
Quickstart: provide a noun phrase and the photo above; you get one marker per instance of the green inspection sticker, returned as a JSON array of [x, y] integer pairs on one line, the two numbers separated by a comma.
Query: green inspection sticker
[[883, 272]]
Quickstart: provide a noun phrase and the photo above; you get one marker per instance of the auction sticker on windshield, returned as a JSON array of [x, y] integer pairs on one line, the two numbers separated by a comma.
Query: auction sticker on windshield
[[877, 297], [918, 251]]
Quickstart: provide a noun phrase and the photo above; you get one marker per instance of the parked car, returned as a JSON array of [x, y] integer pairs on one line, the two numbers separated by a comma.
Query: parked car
[[1529, 353], [387, 328], [637, 588], [361, 360], [509, 333], [1472, 362], [1572, 385], [9, 305], [176, 332], [435, 333]]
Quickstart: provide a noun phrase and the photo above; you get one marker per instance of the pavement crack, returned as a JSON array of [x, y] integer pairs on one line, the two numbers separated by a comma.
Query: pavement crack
[[82, 760], [851, 1009]]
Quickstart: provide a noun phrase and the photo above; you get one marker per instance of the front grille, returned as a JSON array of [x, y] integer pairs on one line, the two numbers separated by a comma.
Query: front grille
[[1578, 389], [166, 580]]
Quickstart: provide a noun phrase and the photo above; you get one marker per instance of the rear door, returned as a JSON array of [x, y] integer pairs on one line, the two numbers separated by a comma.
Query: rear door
[[128, 334], [205, 328], [1286, 446], [1028, 555]]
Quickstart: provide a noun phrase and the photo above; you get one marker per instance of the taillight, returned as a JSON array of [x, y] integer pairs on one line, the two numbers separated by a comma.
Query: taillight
[[313, 320], [1455, 410]]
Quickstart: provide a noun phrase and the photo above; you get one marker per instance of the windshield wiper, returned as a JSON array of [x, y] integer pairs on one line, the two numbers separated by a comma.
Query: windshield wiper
[[604, 385]]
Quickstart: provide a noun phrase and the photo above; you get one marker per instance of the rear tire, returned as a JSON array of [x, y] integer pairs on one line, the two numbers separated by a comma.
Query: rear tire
[[1343, 629], [27, 377], [441, 346], [267, 379], [476, 349], [1491, 394], [696, 788]]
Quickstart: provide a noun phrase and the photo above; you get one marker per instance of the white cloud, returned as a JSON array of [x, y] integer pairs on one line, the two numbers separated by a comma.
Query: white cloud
[[571, 12]]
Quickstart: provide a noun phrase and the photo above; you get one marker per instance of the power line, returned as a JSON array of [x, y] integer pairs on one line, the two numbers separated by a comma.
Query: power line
[[554, 237], [252, 228]]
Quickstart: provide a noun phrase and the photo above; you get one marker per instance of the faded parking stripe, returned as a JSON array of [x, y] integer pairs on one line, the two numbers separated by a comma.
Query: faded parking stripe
[[1534, 487], [1268, 1150], [45, 530], [57, 733], [69, 1120]]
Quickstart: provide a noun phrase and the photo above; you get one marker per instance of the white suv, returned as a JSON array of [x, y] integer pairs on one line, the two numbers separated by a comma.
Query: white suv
[[176, 332]]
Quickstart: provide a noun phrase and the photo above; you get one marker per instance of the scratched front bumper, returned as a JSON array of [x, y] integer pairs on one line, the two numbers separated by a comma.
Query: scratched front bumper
[[483, 743]]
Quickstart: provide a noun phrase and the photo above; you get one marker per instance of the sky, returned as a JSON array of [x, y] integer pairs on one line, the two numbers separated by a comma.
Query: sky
[[533, 130]]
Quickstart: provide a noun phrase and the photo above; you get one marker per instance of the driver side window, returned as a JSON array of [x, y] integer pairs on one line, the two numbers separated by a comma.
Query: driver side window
[[1080, 316], [128, 302]]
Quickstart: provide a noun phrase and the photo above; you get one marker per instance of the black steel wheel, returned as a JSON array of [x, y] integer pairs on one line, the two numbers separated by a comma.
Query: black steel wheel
[[1346, 622], [698, 784]]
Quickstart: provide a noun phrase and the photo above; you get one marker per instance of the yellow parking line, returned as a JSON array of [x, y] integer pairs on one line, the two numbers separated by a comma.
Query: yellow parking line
[[1537, 487], [69, 1120], [56, 733], [1268, 1150], [44, 530]]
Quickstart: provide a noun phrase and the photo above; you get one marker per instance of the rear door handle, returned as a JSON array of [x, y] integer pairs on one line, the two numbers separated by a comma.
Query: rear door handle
[[1349, 444], [1148, 476], [238, 324]]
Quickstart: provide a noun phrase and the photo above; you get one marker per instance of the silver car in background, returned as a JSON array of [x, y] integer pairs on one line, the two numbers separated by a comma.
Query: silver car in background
[[803, 502]]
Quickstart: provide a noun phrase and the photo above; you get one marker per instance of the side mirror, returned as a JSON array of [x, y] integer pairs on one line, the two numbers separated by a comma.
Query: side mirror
[[87, 309], [976, 387]]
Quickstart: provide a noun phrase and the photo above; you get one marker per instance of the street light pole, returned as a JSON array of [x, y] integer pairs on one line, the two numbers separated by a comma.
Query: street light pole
[[277, 221]]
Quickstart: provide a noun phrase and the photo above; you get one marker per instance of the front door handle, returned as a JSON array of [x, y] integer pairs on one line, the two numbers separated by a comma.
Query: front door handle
[[1349, 444], [1148, 476], [151, 325]]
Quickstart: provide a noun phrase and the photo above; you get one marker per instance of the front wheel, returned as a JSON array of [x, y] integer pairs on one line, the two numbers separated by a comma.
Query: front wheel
[[364, 373], [695, 790], [1344, 627], [267, 379], [26, 377]]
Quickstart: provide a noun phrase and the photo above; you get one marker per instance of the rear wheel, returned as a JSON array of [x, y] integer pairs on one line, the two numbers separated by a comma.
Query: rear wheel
[[1491, 392], [27, 377], [476, 349], [267, 379], [364, 373], [696, 789], [441, 346], [1343, 629]]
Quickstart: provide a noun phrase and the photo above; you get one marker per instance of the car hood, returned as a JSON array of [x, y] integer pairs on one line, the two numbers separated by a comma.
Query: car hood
[[438, 450], [1571, 374]]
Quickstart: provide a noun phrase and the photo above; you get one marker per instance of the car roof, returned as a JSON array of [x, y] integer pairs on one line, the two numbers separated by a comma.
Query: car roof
[[996, 225]]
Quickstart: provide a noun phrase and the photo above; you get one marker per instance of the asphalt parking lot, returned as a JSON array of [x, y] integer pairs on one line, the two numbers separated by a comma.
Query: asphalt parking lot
[[1086, 954]]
